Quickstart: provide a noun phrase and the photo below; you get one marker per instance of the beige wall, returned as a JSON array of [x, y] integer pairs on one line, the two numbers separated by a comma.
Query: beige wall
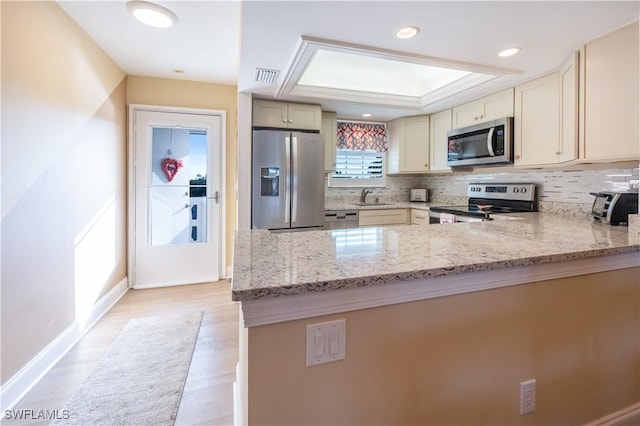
[[63, 177], [190, 94], [459, 360]]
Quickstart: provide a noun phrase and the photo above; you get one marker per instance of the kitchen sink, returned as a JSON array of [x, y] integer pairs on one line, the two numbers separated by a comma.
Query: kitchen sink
[[372, 204]]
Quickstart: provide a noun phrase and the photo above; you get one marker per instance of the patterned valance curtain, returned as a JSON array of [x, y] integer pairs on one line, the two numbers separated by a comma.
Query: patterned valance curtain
[[362, 136]]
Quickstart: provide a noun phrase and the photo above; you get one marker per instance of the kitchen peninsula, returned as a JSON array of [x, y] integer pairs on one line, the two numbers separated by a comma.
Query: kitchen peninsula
[[441, 317]]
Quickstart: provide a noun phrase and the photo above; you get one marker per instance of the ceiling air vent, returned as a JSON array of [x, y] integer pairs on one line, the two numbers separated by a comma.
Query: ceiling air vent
[[264, 75]]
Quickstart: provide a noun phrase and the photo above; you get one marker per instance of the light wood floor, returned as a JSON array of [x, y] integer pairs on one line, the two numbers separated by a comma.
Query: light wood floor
[[208, 391]]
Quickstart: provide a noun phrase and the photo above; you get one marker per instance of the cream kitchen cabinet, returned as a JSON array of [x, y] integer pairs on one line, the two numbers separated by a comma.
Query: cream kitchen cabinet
[[408, 145], [489, 108], [545, 118], [537, 121], [330, 132], [439, 125], [609, 97], [286, 115], [419, 217], [383, 217]]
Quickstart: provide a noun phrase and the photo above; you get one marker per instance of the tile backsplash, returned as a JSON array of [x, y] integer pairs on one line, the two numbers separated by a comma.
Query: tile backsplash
[[561, 191], [570, 186]]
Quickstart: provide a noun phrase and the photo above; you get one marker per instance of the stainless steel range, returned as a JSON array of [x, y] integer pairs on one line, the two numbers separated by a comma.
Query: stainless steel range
[[486, 199]]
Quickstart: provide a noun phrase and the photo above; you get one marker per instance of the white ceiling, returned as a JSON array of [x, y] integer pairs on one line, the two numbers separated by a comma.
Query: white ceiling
[[225, 41]]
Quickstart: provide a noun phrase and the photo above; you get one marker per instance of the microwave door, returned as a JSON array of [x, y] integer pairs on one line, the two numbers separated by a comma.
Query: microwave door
[[470, 147]]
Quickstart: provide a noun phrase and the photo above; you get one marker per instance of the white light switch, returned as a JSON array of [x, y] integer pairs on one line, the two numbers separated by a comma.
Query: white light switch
[[326, 342]]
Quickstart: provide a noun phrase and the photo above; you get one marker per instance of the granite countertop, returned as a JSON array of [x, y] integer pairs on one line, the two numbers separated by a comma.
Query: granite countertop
[[275, 264]]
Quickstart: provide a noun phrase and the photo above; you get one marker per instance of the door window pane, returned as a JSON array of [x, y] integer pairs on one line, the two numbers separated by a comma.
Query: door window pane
[[178, 189]]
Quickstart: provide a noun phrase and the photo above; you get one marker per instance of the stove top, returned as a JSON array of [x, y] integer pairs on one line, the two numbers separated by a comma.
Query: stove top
[[487, 199]]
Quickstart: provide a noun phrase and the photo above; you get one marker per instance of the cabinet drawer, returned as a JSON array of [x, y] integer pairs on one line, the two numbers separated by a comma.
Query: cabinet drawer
[[386, 217], [419, 217]]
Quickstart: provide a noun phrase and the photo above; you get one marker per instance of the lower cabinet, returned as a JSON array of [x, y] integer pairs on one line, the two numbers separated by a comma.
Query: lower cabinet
[[383, 217], [419, 217]]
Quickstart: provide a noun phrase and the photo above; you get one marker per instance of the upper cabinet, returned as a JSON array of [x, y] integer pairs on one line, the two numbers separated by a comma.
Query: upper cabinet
[[330, 133], [286, 115], [545, 118], [609, 97], [439, 125], [408, 145], [489, 108]]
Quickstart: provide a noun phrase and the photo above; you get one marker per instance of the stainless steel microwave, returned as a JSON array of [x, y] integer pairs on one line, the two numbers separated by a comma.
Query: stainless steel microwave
[[484, 144]]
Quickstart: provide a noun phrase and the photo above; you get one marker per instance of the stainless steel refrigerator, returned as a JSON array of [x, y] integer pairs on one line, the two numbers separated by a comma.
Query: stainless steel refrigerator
[[287, 180]]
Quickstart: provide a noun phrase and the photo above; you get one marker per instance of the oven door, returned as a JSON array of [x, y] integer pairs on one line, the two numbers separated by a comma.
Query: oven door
[[441, 217], [483, 144]]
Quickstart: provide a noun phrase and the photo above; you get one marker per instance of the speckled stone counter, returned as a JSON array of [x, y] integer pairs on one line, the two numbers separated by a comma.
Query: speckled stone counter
[[269, 264]]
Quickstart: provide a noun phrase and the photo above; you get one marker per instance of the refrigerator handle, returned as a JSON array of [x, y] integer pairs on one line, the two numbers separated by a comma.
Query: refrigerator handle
[[294, 186], [287, 178]]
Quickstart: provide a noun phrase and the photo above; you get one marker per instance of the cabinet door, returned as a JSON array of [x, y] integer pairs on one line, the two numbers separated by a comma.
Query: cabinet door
[[384, 217], [537, 121], [568, 149], [330, 131], [269, 113], [498, 105], [419, 217], [468, 114], [414, 144], [305, 117], [489, 108], [439, 125], [610, 101]]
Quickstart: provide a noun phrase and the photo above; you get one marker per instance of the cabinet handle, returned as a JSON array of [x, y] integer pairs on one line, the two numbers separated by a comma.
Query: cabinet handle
[[517, 157], [284, 120], [558, 152], [290, 120]]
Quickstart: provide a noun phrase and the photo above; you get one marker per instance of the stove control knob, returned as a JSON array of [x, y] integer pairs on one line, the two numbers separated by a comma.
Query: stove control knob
[[516, 189], [523, 189]]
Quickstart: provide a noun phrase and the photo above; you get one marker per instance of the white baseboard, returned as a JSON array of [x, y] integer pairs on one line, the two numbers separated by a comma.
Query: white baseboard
[[22, 382]]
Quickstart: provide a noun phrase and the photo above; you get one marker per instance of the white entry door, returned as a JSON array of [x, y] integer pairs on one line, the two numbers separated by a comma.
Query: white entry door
[[176, 184]]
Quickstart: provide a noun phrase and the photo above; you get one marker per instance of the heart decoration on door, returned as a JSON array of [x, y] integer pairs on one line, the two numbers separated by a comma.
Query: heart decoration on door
[[170, 167]]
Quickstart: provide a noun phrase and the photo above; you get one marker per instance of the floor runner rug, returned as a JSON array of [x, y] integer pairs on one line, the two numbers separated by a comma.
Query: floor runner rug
[[140, 379]]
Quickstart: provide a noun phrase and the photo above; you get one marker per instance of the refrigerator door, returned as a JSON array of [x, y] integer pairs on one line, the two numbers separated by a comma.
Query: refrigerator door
[[307, 199], [271, 180]]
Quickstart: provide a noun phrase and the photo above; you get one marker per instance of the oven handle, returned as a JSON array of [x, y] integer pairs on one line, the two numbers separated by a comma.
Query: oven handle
[[490, 142]]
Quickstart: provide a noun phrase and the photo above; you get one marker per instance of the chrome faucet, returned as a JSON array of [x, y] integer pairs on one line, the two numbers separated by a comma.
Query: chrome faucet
[[364, 193]]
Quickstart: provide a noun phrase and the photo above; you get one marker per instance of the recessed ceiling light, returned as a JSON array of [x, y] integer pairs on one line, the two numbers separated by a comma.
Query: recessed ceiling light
[[509, 52], [366, 115], [152, 14], [407, 32]]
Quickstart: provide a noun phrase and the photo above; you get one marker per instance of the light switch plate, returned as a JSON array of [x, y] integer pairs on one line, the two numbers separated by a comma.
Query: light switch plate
[[326, 342]]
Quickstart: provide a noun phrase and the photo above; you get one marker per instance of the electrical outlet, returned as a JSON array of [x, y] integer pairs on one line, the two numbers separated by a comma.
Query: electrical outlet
[[527, 397]]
